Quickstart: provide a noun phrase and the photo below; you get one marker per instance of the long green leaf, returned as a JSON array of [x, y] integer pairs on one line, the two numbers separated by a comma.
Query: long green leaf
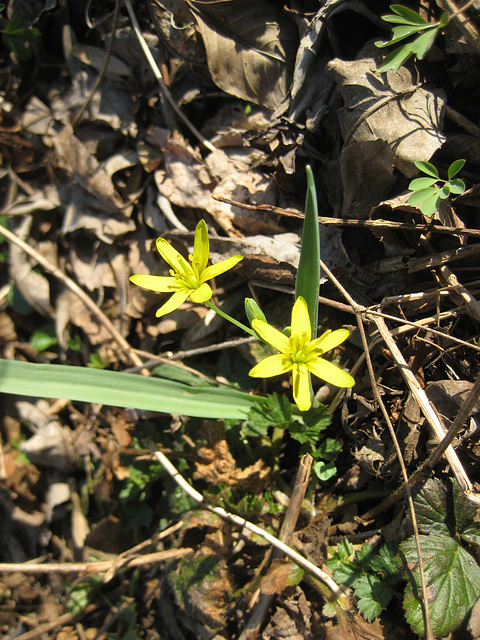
[[308, 275], [122, 390]]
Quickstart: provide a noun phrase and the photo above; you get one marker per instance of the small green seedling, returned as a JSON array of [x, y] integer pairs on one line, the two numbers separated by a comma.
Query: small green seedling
[[19, 37], [426, 192], [373, 575], [410, 23]]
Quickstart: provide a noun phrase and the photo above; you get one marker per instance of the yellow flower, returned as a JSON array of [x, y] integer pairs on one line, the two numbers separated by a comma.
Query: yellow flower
[[301, 355], [186, 279]]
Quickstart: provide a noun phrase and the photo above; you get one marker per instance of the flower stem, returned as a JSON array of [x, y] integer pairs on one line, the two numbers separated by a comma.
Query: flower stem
[[230, 319]]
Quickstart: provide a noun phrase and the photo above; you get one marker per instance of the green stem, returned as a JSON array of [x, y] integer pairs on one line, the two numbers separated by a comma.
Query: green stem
[[230, 319]]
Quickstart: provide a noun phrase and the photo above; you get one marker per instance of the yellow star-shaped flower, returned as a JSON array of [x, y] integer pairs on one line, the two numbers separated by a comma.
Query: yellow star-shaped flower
[[301, 355], [186, 280]]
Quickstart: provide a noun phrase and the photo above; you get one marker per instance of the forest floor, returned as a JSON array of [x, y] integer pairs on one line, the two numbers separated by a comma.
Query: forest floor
[[107, 146]]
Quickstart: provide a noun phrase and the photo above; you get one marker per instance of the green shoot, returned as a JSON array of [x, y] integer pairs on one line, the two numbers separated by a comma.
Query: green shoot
[[18, 37], [410, 24], [427, 194]]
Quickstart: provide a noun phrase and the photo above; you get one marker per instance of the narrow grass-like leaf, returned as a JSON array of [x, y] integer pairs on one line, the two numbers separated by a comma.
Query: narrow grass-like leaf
[[122, 390], [454, 168], [308, 275]]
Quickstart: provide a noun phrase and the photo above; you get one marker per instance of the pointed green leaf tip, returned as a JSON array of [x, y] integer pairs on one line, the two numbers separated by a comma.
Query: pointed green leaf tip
[[308, 275]]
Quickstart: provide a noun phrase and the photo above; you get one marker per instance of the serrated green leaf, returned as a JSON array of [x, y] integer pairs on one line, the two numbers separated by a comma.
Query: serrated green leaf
[[373, 595], [428, 168], [456, 186], [452, 579], [431, 508], [275, 411], [384, 562], [421, 183], [454, 168]]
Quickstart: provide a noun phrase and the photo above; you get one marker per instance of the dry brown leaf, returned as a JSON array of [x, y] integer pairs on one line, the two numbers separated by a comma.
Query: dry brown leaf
[[250, 46], [217, 464]]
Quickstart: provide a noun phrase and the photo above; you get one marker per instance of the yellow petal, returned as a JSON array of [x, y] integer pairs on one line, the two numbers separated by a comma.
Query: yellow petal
[[331, 373], [202, 294], [173, 303], [301, 387], [330, 339], [174, 259], [271, 366], [271, 335], [216, 269], [201, 246], [301, 319], [162, 284]]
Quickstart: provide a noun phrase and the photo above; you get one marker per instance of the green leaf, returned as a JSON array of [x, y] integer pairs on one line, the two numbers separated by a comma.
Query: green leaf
[[44, 338], [428, 168], [421, 195], [169, 371], [407, 15], [324, 470], [430, 205], [16, 33], [456, 186], [308, 274], [421, 183], [452, 578], [454, 168], [422, 45], [373, 595], [122, 390], [398, 34], [394, 60], [273, 411], [444, 192]]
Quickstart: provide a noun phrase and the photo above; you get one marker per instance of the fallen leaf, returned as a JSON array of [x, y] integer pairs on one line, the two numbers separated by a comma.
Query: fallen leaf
[[250, 46]]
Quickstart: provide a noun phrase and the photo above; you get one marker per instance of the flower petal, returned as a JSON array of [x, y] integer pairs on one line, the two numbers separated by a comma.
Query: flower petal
[[271, 335], [331, 373], [201, 247], [271, 366], [216, 269], [330, 339], [174, 259], [202, 294], [301, 319], [301, 387], [173, 303], [162, 284]]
